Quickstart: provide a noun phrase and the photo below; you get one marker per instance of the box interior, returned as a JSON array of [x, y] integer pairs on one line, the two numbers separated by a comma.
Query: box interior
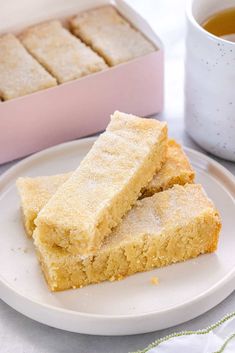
[[16, 16]]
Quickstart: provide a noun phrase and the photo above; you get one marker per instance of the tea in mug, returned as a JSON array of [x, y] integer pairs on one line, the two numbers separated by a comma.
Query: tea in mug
[[222, 24]]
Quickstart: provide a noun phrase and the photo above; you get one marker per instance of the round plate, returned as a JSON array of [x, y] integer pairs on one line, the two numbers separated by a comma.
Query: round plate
[[133, 305]]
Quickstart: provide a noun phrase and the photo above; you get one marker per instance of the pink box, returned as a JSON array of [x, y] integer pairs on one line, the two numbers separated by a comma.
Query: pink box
[[80, 107]]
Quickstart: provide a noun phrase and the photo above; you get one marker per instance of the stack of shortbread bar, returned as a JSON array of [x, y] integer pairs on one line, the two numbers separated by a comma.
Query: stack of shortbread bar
[[130, 206]]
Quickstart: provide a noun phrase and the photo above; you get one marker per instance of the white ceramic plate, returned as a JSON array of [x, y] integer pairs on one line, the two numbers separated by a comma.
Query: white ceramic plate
[[133, 305]]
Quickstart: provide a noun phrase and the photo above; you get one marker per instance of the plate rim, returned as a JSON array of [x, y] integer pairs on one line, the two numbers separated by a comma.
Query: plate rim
[[210, 291]]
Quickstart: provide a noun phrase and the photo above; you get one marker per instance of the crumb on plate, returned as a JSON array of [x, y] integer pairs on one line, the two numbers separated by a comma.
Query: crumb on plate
[[154, 280]]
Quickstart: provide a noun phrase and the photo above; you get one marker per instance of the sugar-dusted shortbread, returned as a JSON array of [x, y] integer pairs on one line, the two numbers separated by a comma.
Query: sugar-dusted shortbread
[[110, 35], [171, 226], [176, 170], [107, 183], [20, 73], [61, 53], [36, 192]]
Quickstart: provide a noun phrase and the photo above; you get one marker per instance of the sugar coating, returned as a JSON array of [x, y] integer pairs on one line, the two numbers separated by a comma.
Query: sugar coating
[[171, 226], [106, 184], [36, 192], [110, 35], [20, 73], [61, 53]]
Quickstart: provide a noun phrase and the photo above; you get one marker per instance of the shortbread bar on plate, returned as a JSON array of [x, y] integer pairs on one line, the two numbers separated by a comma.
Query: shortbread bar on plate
[[171, 226], [176, 170], [20, 73], [36, 192], [61, 53], [107, 183], [110, 35]]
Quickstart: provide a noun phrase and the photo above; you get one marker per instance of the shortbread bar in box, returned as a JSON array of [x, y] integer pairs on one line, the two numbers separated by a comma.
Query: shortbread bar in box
[[107, 183], [110, 35], [36, 192], [20, 73], [61, 53], [171, 226]]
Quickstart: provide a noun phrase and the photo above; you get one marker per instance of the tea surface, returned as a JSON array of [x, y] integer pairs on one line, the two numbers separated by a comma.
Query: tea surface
[[221, 23]]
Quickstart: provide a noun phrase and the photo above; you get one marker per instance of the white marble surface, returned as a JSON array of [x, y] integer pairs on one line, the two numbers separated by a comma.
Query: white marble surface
[[22, 335]]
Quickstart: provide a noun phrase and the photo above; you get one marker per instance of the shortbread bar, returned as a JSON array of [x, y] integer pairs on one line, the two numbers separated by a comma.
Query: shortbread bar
[[20, 73], [110, 35], [36, 192], [171, 226], [107, 183], [61, 53], [176, 170]]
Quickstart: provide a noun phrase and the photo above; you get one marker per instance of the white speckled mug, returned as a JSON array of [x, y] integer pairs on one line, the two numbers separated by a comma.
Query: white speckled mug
[[209, 82]]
